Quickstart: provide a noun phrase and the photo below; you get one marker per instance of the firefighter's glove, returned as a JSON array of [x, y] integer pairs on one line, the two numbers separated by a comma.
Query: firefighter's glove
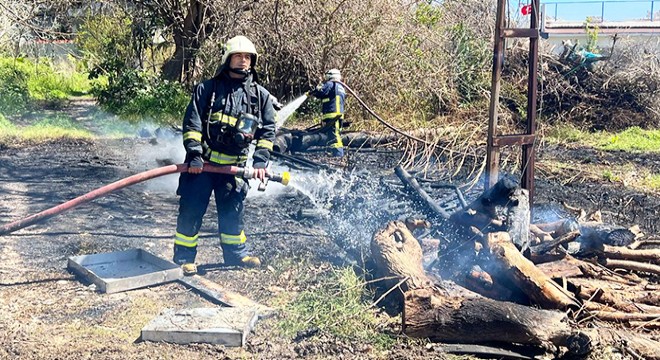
[[276, 103], [196, 164]]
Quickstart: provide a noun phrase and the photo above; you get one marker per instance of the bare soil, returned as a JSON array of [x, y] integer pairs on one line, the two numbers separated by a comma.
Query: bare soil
[[47, 313]]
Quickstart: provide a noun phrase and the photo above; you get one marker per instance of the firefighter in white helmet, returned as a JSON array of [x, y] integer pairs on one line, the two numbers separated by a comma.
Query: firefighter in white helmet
[[333, 96], [226, 114]]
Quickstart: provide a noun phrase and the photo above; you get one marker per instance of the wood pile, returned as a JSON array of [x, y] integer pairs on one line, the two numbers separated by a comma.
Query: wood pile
[[563, 287]]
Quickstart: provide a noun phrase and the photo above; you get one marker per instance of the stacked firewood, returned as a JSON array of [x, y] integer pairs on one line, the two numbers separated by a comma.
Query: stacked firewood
[[580, 271]]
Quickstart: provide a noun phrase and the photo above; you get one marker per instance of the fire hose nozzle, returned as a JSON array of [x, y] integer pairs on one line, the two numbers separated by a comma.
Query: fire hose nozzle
[[282, 178]]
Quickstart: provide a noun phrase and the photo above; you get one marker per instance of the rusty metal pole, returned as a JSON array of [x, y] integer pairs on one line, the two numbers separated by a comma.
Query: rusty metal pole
[[529, 153], [528, 139], [493, 153]]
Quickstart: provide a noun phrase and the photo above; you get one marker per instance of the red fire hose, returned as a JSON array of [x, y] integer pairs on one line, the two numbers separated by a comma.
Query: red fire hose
[[134, 179]]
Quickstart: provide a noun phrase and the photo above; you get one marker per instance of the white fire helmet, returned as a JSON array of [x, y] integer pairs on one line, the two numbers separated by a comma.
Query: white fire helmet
[[333, 75], [239, 44]]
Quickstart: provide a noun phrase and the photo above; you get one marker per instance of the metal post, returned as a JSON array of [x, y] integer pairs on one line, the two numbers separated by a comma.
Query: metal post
[[493, 153], [652, 10], [556, 6], [602, 11], [528, 152]]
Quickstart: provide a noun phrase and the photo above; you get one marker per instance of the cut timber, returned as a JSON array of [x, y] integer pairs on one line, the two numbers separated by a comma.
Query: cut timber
[[222, 296], [631, 265], [433, 312], [563, 268], [522, 272], [619, 252]]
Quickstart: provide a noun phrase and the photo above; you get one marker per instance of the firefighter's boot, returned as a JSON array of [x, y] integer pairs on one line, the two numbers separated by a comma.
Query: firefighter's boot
[[251, 262], [185, 256], [237, 255]]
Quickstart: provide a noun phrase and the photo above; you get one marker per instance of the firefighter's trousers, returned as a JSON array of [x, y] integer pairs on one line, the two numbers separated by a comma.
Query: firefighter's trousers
[[332, 127], [195, 193]]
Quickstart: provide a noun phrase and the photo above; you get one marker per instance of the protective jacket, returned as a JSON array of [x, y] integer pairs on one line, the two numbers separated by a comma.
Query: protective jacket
[[211, 122], [332, 95], [211, 127]]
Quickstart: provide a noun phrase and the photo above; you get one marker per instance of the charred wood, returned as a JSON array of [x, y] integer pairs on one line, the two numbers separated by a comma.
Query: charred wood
[[432, 208], [525, 275], [547, 246], [431, 311]]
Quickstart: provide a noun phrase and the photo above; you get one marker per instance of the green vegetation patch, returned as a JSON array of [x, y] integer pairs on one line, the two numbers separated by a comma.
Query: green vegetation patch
[[631, 139], [338, 306], [24, 82], [46, 129]]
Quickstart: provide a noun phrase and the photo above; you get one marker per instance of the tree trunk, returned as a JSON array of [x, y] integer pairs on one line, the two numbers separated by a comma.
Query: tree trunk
[[188, 40], [477, 320]]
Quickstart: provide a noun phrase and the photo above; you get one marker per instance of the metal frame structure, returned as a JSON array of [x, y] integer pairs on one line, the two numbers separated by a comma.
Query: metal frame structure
[[526, 140]]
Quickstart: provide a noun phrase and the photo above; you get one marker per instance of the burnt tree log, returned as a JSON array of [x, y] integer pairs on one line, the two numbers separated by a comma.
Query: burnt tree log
[[431, 311], [509, 262]]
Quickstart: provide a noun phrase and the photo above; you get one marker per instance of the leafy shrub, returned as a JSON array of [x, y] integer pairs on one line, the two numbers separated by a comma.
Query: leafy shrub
[[14, 92]]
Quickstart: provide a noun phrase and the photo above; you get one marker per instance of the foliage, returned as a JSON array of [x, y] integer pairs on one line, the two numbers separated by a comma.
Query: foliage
[[14, 92], [470, 56], [592, 35], [653, 181], [24, 82], [106, 43], [336, 306]]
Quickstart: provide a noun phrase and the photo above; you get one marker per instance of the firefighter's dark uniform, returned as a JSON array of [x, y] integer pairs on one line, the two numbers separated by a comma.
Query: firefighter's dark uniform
[[332, 95], [209, 130]]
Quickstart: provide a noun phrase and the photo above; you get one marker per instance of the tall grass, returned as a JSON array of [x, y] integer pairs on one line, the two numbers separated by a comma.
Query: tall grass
[[338, 306]]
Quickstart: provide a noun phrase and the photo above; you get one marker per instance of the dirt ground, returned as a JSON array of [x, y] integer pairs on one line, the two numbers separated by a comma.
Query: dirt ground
[[46, 313]]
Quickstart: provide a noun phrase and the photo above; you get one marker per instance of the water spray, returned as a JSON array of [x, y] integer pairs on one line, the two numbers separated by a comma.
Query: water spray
[[244, 172]]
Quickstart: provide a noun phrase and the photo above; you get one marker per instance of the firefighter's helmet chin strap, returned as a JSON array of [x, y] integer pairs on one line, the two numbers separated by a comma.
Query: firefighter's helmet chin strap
[[240, 71]]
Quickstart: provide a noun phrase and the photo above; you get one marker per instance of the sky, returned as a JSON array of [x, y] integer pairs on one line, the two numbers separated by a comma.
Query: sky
[[611, 10]]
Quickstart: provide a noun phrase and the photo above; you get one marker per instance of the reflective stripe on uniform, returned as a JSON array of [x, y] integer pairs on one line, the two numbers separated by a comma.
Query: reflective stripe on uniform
[[224, 159], [332, 115], [233, 239], [187, 241], [223, 118], [339, 143], [337, 103], [192, 135], [266, 144], [325, 100]]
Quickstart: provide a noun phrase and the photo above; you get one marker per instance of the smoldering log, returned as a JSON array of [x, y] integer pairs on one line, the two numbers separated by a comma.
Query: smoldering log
[[431, 311], [504, 200], [595, 234], [511, 264], [547, 246], [433, 209]]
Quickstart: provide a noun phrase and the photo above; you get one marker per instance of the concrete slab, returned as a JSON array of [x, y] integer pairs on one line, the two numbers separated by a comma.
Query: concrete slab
[[124, 270], [221, 326]]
